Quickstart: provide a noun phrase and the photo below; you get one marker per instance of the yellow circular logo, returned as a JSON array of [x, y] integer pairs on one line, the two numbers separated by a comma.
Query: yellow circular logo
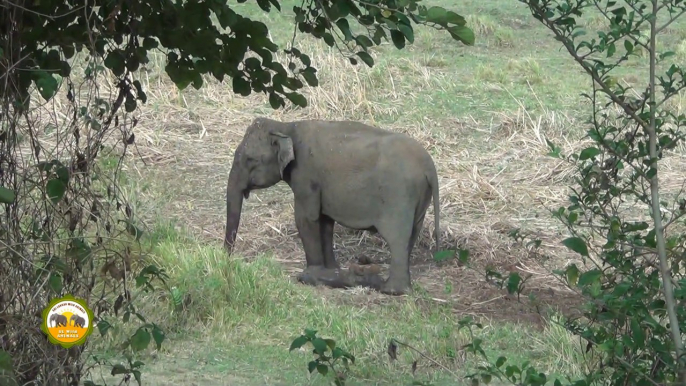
[[67, 321]]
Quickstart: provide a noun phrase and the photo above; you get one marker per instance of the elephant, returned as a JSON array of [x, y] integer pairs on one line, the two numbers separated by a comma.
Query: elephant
[[78, 320], [59, 320], [359, 176]]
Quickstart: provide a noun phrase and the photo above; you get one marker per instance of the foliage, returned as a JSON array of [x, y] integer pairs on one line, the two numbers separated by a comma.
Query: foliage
[[123, 33], [631, 324], [67, 226], [324, 362]]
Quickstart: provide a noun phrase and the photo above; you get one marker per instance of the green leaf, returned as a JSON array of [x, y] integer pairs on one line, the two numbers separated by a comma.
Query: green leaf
[[55, 282], [62, 173], [297, 99], [140, 340], [652, 172], [589, 277], [149, 43], [6, 363], [628, 46], [407, 31], [337, 352], [444, 255], [588, 152], [577, 245], [463, 34], [398, 39], [363, 41], [500, 361], [158, 336], [115, 62], [56, 189], [611, 49], [436, 15], [366, 58], [137, 375], [323, 369], [7, 196], [572, 273], [513, 281], [331, 343], [298, 342], [241, 86], [119, 369], [130, 103], [319, 345], [103, 327], [463, 256], [666, 54], [311, 366], [638, 334], [310, 77], [46, 84]]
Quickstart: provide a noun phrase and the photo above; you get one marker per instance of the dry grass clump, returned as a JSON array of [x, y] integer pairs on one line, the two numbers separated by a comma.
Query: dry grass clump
[[491, 74], [491, 29], [527, 70]]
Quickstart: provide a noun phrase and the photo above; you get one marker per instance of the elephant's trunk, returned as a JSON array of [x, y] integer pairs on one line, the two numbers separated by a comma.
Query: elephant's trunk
[[236, 189]]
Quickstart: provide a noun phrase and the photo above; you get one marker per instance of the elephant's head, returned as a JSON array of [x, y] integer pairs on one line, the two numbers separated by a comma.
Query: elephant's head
[[258, 162]]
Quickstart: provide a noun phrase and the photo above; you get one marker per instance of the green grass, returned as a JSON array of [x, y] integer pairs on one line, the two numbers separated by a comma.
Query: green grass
[[243, 315]]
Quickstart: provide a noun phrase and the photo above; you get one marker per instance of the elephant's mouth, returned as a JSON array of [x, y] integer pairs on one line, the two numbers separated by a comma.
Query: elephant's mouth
[[246, 192]]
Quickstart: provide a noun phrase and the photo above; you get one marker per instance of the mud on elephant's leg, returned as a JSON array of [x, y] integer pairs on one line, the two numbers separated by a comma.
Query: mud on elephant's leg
[[326, 225]]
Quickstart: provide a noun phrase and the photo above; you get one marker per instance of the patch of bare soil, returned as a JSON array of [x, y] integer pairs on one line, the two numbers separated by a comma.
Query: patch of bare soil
[[491, 182]]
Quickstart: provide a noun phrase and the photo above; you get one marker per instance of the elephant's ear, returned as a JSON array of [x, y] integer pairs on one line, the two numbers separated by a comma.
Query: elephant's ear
[[284, 153]]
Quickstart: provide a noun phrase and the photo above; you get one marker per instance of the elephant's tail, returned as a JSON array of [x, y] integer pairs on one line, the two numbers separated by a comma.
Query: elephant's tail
[[433, 182]]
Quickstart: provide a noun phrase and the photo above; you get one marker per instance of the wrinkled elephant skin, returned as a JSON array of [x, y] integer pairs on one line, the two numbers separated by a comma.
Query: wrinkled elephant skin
[[359, 176]]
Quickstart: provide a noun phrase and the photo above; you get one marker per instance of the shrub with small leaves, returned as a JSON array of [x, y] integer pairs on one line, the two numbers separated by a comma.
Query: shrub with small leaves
[[619, 218], [327, 355]]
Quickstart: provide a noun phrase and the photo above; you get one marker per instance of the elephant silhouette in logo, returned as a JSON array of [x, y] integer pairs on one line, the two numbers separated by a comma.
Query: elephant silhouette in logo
[[59, 320], [77, 320]]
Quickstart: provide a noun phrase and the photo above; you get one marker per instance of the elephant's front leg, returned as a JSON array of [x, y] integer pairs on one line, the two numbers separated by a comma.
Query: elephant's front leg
[[309, 224], [326, 234]]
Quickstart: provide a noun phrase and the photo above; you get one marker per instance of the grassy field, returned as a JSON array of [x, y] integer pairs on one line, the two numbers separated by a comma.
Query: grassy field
[[482, 111]]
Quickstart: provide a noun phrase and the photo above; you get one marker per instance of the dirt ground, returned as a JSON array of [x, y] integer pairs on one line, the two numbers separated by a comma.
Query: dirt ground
[[480, 205]]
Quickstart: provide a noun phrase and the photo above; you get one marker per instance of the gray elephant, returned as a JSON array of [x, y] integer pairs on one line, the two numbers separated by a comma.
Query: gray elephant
[[77, 320], [58, 320], [359, 176]]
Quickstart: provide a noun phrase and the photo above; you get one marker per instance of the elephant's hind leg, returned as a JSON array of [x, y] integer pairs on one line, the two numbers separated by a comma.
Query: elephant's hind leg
[[398, 234], [326, 225]]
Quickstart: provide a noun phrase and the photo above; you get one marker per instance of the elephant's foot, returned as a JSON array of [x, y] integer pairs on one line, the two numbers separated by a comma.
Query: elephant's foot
[[338, 278], [396, 287]]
